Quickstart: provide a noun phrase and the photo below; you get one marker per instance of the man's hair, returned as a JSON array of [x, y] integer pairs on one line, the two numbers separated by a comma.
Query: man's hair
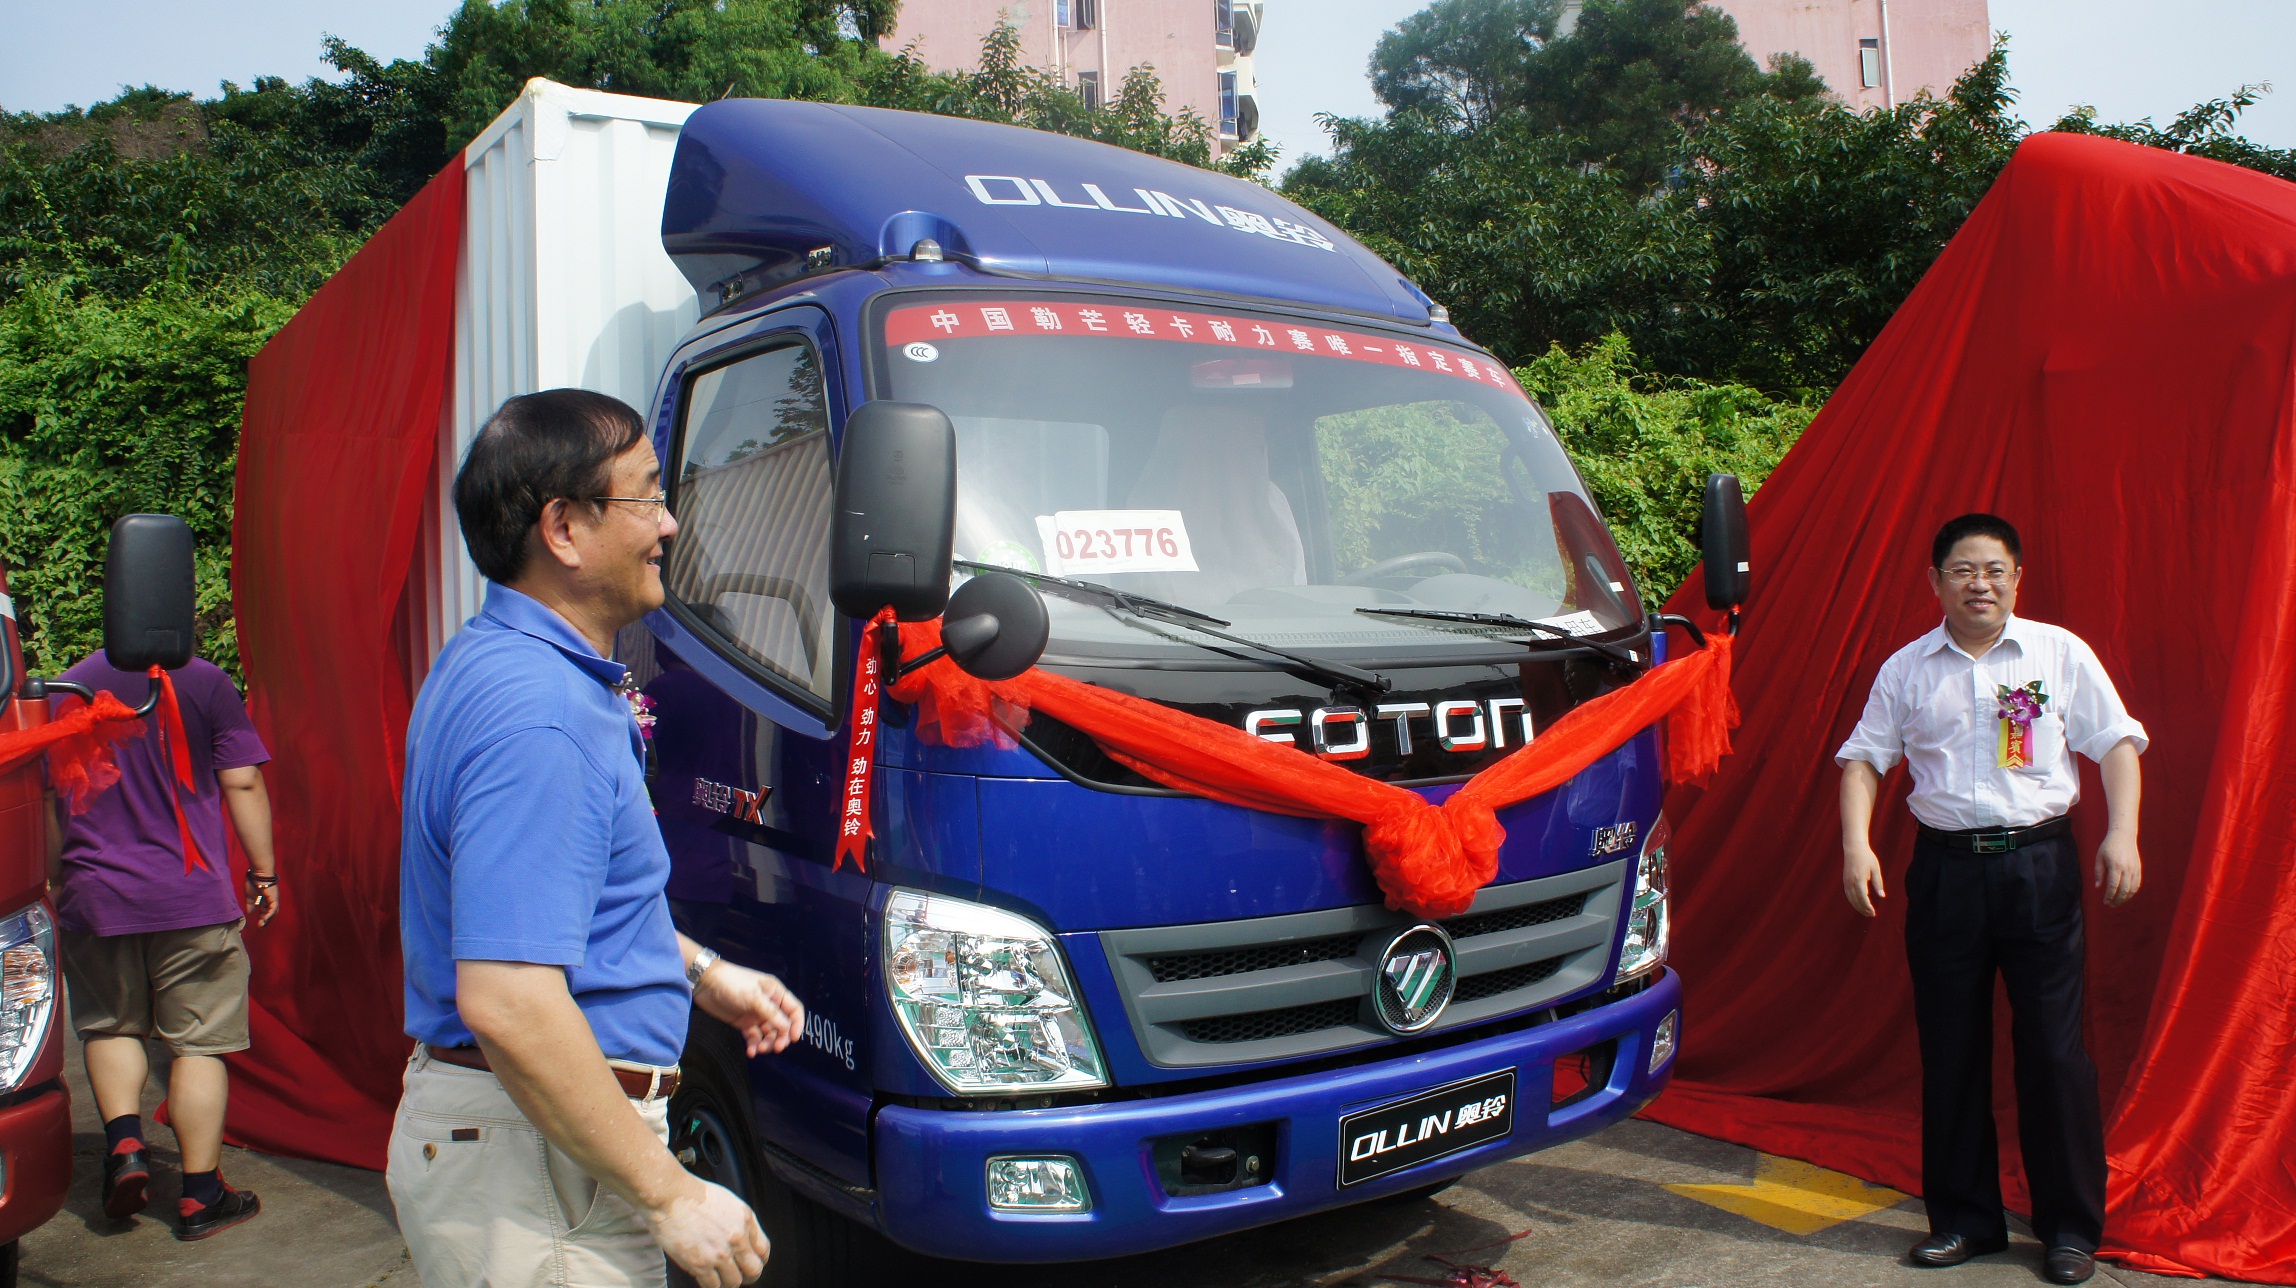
[[535, 449], [1961, 529]]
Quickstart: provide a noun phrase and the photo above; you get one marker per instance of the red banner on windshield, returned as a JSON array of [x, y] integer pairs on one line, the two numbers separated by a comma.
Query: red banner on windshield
[[988, 319]]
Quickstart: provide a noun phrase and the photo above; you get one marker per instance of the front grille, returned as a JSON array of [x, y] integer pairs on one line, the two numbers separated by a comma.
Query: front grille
[[1287, 1022], [1474, 988], [1530, 914], [1294, 985], [1239, 961]]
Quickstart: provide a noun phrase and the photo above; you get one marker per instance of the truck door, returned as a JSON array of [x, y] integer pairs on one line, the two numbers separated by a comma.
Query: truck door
[[748, 663]]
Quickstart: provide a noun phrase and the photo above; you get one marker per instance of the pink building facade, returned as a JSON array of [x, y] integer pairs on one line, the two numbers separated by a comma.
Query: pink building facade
[[1200, 49], [1872, 53]]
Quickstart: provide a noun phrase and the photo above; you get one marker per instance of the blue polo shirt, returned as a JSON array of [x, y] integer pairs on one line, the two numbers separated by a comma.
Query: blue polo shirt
[[529, 837]]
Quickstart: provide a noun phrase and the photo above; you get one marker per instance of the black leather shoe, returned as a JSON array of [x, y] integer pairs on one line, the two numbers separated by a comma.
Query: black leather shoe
[[127, 1175], [1941, 1250], [2068, 1266], [203, 1219]]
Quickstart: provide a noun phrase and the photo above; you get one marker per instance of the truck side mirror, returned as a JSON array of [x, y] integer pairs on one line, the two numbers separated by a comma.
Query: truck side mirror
[[148, 601], [893, 532], [1722, 534], [996, 626]]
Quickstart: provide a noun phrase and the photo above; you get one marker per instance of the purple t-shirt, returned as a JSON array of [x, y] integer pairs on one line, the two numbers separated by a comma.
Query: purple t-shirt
[[123, 859]]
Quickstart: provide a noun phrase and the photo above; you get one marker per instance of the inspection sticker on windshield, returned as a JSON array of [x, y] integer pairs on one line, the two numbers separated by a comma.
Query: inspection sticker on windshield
[[1579, 623], [1089, 541]]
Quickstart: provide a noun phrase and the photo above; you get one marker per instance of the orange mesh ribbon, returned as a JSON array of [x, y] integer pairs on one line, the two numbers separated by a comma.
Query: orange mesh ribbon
[[78, 745], [1429, 860]]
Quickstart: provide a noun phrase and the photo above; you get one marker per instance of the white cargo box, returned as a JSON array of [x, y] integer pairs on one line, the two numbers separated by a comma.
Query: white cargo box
[[563, 282]]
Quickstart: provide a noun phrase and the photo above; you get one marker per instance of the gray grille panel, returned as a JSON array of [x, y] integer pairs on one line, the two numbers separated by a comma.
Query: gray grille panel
[[1282, 987]]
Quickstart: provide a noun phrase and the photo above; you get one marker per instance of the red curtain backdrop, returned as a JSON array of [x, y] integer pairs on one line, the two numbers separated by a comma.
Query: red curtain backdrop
[[335, 455], [2106, 356]]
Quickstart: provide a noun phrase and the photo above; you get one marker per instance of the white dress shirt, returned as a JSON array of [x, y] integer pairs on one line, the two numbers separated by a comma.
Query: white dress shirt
[[1937, 709]]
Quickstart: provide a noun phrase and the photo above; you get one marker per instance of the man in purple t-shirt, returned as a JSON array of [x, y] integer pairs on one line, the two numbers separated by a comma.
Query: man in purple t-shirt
[[151, 935]]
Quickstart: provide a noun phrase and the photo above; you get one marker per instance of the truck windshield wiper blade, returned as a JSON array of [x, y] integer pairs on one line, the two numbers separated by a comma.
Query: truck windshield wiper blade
[[1335, 674], [1512, 622]]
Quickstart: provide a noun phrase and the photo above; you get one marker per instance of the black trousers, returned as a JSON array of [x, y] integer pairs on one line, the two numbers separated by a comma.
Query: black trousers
[[1968, 916]]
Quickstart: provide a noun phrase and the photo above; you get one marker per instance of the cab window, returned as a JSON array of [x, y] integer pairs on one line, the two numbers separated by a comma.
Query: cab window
[[752, 495]]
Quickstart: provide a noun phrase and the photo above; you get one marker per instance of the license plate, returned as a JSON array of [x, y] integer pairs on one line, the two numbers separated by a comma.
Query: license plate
[[1428, 1125]]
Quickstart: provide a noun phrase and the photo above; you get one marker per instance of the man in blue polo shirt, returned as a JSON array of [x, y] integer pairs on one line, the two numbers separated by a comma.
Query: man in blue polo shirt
[[547, 990]]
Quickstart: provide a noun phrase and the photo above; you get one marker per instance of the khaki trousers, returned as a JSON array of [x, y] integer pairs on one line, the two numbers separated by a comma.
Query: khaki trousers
[[484, 1201]]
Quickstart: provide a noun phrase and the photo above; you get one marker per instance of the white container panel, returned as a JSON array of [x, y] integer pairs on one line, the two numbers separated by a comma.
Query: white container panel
[[563, 282]]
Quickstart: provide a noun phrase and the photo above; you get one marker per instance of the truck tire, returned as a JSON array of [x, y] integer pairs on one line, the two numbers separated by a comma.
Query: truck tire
[[712, 1134], [10, 1253]]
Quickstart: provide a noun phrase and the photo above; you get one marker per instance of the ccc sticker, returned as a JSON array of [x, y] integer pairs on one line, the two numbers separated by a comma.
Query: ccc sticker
[[920, 351]]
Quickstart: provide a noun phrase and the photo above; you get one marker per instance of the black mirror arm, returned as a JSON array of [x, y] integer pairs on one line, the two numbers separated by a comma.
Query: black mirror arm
[[920, 662], [1697, 636], [88, 695]]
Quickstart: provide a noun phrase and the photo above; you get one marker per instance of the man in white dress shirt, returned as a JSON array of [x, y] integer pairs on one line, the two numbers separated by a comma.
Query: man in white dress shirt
[[1987, 711]]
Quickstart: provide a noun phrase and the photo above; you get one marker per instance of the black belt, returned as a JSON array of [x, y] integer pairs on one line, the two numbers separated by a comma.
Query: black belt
[[1998, 840]]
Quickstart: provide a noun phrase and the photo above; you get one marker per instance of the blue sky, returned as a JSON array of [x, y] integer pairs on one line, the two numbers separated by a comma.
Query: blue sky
[[2129, 59]]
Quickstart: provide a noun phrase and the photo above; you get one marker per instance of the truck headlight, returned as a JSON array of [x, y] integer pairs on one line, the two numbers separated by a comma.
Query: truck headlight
[[985, 997], [1646, 917], [27, 991]]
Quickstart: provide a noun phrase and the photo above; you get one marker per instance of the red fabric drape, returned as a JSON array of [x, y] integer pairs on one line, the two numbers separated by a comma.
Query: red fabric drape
[[335, 455], [1429, 860], [2106, 356]]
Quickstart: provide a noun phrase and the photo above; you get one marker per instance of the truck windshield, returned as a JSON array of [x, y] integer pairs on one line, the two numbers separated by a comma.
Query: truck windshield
[[1272, 473]]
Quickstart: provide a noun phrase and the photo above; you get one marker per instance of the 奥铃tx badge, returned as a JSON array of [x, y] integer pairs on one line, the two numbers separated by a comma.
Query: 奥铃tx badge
[[2019, 707]]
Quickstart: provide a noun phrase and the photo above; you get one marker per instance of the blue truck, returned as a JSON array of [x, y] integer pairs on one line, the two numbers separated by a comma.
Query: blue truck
[[1248, 471]]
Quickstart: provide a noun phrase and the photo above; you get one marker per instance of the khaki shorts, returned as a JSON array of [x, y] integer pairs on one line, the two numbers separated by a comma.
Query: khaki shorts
[[485, 1201], [188, 988]]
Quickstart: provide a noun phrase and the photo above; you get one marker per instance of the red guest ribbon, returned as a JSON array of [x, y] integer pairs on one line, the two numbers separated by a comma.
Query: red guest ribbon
[[861, 744]]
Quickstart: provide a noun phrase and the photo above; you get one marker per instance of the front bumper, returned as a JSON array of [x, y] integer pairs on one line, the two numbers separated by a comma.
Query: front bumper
[[36, 1150], [932, 1164]]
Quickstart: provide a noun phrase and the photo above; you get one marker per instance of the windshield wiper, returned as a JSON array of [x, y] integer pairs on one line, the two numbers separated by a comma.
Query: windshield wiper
[[1336, 674], [1510, 621]]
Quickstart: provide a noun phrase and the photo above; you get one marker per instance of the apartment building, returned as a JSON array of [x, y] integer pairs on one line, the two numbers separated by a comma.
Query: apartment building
[[1201, 49], [1872, 53]]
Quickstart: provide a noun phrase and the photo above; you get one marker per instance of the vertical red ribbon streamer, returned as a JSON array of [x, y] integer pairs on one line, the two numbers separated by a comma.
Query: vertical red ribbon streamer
[[177, 749], [861, 744]]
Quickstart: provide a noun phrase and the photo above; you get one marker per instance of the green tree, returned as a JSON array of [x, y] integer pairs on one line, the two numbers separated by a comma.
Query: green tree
[[1624, 85], [2204, 131]]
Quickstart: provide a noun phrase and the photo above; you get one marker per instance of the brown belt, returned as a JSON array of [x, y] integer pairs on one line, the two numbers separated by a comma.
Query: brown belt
[[635, 1084]]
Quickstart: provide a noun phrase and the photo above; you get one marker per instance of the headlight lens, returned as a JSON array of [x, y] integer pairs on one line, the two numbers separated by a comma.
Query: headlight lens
[[985, 997], [1646, 918], [27, 991]]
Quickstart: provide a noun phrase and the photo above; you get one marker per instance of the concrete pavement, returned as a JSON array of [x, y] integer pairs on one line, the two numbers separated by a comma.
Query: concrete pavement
[[1594, 1212]]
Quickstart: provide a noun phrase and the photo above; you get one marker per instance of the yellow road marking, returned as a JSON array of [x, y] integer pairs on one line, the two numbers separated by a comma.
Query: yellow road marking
[[1796, 1197]]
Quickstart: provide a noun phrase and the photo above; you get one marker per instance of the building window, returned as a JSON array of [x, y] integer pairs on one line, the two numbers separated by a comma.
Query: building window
[[753, 490], [1088, 89], [1076, 15], [1224, 23], [1227, 104], [1869, 62]]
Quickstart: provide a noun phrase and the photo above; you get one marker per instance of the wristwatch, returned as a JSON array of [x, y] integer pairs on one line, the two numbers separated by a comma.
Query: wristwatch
[[695, 969]]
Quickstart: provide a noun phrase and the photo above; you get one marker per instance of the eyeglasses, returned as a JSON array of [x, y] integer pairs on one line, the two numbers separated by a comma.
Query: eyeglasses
[[1963, 574], [653, 503]]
